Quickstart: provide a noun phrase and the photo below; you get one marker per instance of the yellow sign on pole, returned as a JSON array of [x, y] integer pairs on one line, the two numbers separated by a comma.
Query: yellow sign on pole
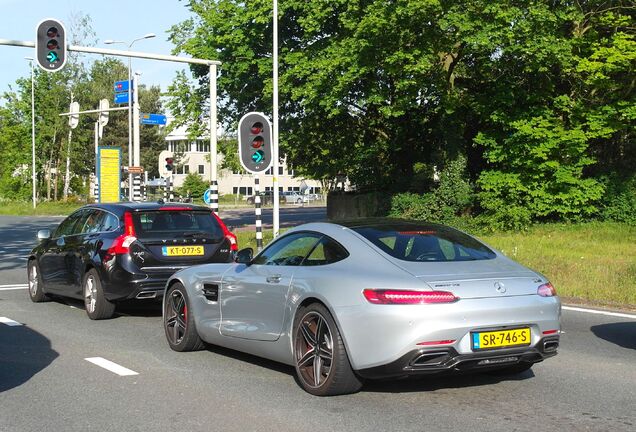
[[109, 174]]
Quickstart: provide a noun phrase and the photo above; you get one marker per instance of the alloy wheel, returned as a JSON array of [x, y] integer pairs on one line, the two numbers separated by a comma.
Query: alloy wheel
[[176, 317], [33, 280], [90, 294], [314, 349]]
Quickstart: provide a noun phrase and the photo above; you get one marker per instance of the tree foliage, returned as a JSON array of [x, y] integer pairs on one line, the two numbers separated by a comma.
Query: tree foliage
[[538, 96]]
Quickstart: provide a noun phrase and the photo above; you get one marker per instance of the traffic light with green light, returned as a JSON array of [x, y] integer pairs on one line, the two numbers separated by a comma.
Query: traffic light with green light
[[50, 45], [255, 142]]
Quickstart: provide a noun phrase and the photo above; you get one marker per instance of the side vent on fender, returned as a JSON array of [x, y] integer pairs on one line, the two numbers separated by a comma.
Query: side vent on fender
[[211, 292]]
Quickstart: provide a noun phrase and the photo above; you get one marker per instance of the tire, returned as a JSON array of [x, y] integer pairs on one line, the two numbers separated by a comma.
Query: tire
[[36, 291], [97, 307], [299, 201], [178, 323], [512, 370], [316, 331]]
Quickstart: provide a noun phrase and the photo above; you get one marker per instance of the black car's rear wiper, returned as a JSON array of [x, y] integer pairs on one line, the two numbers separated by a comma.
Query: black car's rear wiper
[[196, 234]]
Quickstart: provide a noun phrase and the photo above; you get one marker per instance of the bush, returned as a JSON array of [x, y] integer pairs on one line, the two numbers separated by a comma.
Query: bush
[[452, 197], [193, 186], [620, 201]]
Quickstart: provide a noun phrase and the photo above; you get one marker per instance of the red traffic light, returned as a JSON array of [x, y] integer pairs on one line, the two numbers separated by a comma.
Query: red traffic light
[[52, 32], [256, 128], [258, 142], [169, 160]]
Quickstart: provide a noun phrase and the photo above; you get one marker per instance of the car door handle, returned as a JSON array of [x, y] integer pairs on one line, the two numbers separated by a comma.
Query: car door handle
[[273, 278]]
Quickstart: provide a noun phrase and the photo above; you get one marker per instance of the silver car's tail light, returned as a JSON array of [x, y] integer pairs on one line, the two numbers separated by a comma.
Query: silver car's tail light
[[439, 342], [546, 290], [382, 296]]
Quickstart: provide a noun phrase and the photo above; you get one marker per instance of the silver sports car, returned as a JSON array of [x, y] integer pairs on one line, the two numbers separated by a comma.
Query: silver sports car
[[368, 299]]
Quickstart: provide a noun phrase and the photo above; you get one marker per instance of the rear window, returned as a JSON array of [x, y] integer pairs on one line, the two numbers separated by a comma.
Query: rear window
[[425, 243], [176, 223]]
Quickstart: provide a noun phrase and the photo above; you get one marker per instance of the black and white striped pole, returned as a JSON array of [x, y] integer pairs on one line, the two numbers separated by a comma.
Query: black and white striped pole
[[257, 210], [136, 187], [171, 188], [165, 189], [214, 196]]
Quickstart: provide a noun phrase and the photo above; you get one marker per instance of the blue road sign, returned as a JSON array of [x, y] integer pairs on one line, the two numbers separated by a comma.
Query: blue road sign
[[153, 119], [206, 196], [121, 98], [121, 86]]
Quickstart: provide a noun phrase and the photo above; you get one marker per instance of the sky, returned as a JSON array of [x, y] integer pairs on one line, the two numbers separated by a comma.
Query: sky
[[111, 19]]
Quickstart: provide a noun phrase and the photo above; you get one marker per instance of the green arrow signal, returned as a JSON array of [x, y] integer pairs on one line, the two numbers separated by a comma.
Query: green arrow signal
[[52, 57], [258, 156]]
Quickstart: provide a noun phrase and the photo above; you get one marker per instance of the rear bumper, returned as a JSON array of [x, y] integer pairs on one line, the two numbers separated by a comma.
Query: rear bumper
[[447, 360]]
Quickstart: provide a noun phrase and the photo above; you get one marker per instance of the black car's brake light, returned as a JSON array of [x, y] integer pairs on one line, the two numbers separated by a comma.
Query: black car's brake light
[[122, 243], [228, 235]]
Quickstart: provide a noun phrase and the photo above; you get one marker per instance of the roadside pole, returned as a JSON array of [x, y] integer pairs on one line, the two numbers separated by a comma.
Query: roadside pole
[[136, 178], [276, 225], [96, 191], [214, 186], [257, 210]]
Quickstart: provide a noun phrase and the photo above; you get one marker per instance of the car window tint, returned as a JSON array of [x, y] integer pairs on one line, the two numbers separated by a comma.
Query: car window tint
[[426, 242], [67, 227], [290, 250], [93, 223], [327, 251], [170, 223]]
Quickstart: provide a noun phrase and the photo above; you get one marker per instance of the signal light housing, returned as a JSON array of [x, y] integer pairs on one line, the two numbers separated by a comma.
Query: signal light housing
[[50, 45], [255, 142], [169, 164]]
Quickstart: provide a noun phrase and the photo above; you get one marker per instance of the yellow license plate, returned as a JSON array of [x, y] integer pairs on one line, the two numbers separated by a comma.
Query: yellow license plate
[[182, 250], [500, 339]]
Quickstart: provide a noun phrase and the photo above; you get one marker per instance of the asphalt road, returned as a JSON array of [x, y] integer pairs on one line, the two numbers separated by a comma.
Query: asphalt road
[[47, 385]]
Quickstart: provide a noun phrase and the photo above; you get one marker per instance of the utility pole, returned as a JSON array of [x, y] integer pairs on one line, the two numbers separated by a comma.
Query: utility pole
[[276, 224], [136, 139], [32, 129]]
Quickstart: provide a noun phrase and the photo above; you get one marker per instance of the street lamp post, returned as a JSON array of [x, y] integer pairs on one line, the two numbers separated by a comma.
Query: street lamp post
[[31, 60], [131, 151]]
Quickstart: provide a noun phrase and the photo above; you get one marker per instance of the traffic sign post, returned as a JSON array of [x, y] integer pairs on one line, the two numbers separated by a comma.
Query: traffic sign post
[[121, 98], [154, 119]]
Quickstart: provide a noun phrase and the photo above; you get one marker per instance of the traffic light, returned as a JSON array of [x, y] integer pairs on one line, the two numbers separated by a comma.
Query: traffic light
[[169, 164], [50, 45], [255, 142]]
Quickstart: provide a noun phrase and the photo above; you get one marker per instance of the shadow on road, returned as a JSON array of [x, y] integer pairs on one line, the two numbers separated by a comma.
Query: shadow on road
[[18, 235], [134, 308], [23, 353], [620, 333]]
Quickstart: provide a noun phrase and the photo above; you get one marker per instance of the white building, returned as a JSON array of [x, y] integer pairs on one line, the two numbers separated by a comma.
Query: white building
[[195, 159]]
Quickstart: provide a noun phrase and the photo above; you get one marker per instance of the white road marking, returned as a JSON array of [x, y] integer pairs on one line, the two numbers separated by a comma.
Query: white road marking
[[599, 312], [9, 322], [13, 287], [109, 365]]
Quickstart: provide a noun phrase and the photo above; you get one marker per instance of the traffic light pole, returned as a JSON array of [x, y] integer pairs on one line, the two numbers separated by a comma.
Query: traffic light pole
[[214, 187], [136, 178], [276, 224]]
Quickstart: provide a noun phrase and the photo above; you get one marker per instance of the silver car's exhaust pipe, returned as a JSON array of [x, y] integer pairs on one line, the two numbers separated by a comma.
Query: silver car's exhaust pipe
[[147, 295], [550, 346]]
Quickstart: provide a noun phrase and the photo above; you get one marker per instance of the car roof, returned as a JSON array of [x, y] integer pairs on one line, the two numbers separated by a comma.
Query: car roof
[[120, 207], [385, 223]]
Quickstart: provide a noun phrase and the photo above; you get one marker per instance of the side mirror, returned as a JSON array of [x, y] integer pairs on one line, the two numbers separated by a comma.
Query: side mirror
[[244, 256], [44, 234]]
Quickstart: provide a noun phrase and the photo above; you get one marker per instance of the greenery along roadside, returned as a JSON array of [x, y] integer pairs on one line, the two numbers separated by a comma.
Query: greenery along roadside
[[590, 263]]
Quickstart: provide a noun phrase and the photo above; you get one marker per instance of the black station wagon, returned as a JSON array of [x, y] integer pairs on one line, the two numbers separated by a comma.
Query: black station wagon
[[105, 253]]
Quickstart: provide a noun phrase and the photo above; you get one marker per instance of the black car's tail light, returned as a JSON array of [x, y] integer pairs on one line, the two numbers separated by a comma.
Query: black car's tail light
[[383, 296], [122, 243], [228, 235]]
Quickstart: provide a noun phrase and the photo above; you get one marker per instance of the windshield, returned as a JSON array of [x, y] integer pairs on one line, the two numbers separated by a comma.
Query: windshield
[[426, 242]]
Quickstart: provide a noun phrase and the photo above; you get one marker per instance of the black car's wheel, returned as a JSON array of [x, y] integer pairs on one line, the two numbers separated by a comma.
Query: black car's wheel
[[299, 201], [36, 293], [320, 358], [178, 323], [97, 306]]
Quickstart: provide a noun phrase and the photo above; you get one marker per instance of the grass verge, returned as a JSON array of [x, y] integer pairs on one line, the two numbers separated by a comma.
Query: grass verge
[[591, 263], [47, 208]]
